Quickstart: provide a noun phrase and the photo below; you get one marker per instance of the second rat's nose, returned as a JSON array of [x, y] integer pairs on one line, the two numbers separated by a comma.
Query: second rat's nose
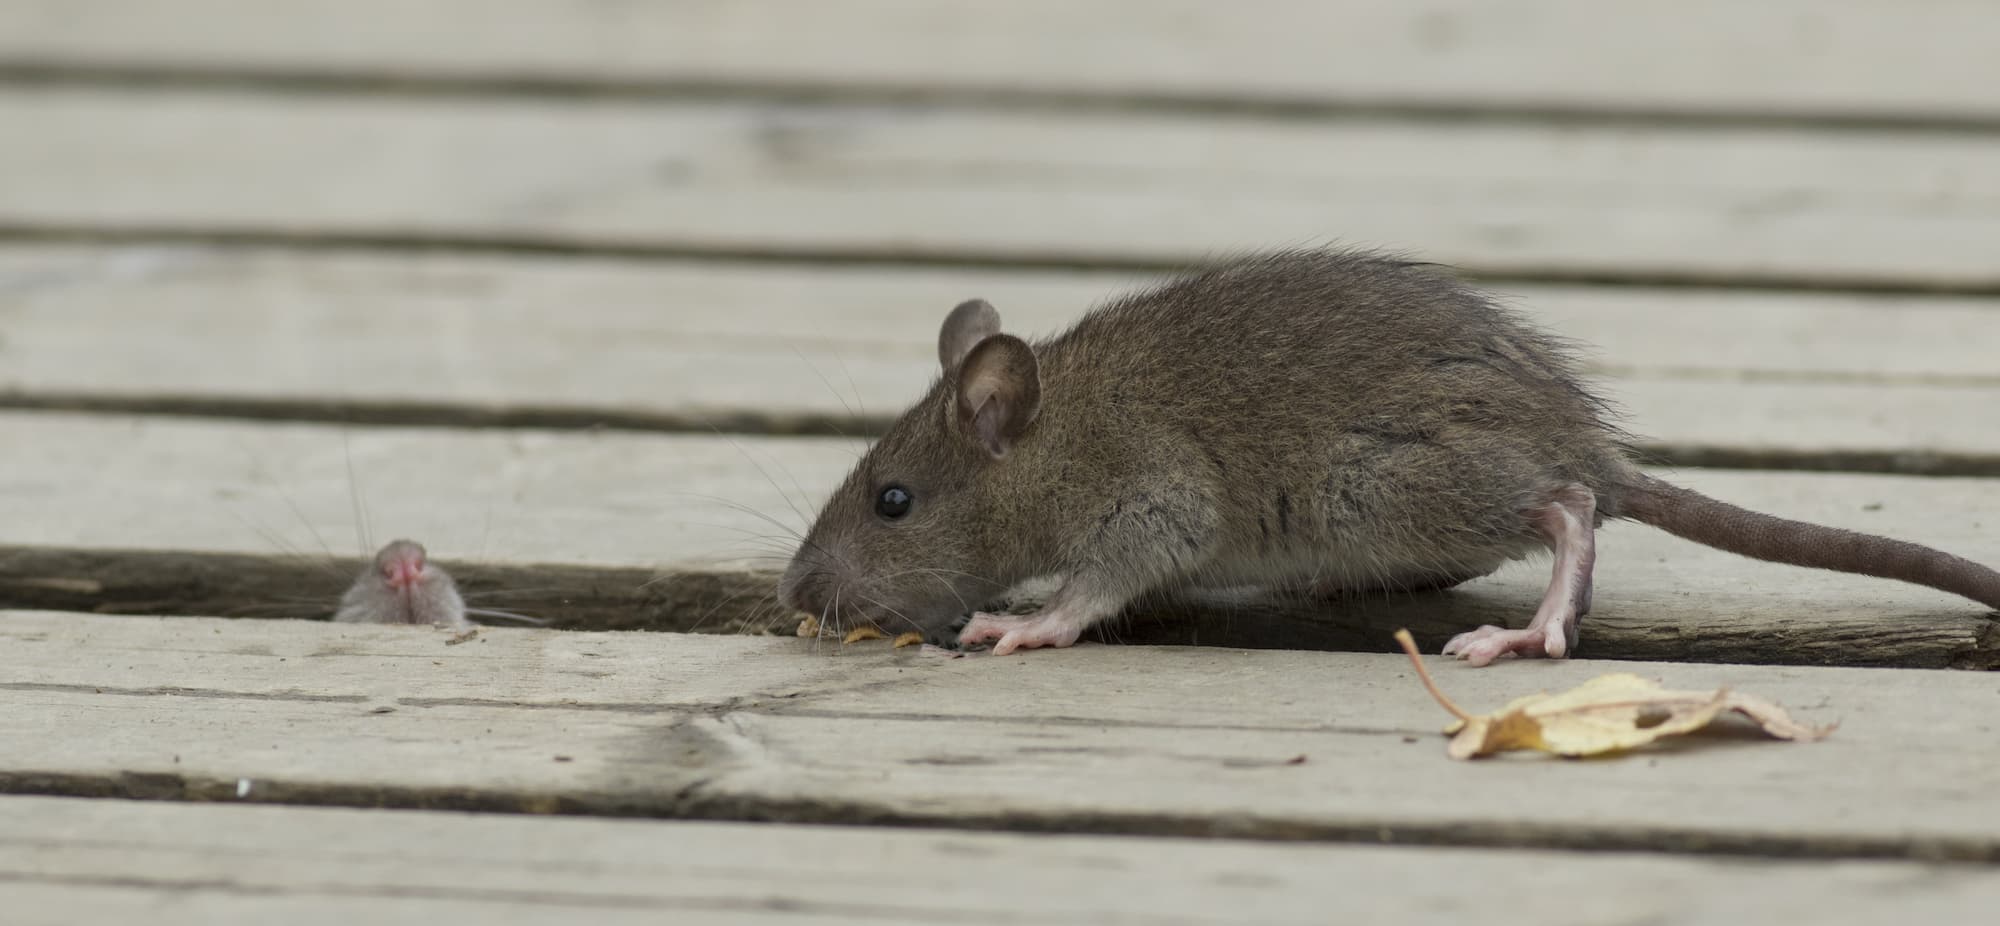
[[402, 573]]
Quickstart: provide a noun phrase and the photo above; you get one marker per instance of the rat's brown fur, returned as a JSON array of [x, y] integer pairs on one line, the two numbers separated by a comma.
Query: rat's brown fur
[[1324, 419]]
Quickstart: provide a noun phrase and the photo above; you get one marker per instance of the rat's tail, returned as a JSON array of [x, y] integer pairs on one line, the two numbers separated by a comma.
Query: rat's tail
[[1694, 516]]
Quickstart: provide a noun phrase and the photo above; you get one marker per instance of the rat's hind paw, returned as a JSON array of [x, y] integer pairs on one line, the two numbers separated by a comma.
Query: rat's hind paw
[[1009, 632], [1488, 643], [1567, 524]]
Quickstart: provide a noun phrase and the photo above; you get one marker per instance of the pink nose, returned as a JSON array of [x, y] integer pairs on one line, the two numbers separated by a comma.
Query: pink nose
[[403, 572]]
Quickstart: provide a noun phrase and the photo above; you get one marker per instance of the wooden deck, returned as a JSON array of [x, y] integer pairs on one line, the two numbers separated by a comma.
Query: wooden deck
[[598, 299]]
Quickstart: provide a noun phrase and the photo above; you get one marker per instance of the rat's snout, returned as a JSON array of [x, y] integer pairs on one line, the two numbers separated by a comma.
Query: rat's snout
[[402, 564], [814, 584], [403, 573], [808, 588]]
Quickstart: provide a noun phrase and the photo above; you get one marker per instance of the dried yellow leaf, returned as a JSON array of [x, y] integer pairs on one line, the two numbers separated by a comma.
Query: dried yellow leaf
[[859, 634], [912, 638], [1609, 713], [809, 627]]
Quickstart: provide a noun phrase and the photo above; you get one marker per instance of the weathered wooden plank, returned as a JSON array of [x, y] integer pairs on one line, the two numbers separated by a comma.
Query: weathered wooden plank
[[1110, 739], [581, 498], [666, 344], [76, 862], [1069, 187], [104, 513], [1855, 58]]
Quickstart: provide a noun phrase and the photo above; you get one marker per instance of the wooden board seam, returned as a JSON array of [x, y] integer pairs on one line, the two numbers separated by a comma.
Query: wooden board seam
[[764, 423], [500, 83], [692, 803], [909, 254], [733, 600]]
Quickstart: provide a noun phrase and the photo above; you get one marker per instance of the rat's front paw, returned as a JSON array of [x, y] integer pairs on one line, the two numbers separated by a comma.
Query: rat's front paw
[[986, 628], [1009, 632], [1488, 643]]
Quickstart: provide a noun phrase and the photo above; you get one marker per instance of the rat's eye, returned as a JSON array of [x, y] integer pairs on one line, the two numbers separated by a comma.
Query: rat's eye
[[894, 502]]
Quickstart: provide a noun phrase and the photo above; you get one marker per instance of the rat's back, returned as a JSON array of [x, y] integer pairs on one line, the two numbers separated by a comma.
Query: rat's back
[[1341, 402], [1354, 333]]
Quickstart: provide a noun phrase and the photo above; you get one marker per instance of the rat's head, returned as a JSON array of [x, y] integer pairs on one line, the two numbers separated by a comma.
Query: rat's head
[[402, 586], [909, 540]]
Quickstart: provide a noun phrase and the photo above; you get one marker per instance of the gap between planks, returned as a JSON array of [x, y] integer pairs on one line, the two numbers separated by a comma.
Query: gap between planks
[[731, 601], [294, 79], [759, 423], [932, 256], [641, 530], [834, 810]]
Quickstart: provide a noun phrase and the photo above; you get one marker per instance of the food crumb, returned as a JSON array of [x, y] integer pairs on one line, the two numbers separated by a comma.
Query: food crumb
[[461, 638], [912, 638]]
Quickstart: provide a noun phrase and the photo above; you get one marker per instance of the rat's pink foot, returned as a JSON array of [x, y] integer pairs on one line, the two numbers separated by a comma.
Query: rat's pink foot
[[1488, 643], [1049, 627], [1568, 522]]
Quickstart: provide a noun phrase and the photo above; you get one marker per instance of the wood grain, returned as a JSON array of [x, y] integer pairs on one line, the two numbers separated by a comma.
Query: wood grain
[[1850, 59], [889, 182]]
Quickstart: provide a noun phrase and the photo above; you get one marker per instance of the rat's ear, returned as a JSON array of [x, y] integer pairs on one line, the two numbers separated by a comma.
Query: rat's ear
[[972, 322], [999, 392]]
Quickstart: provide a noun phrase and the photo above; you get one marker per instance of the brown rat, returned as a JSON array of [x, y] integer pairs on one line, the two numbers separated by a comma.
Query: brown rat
[[1327, 420], [402, 586]]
